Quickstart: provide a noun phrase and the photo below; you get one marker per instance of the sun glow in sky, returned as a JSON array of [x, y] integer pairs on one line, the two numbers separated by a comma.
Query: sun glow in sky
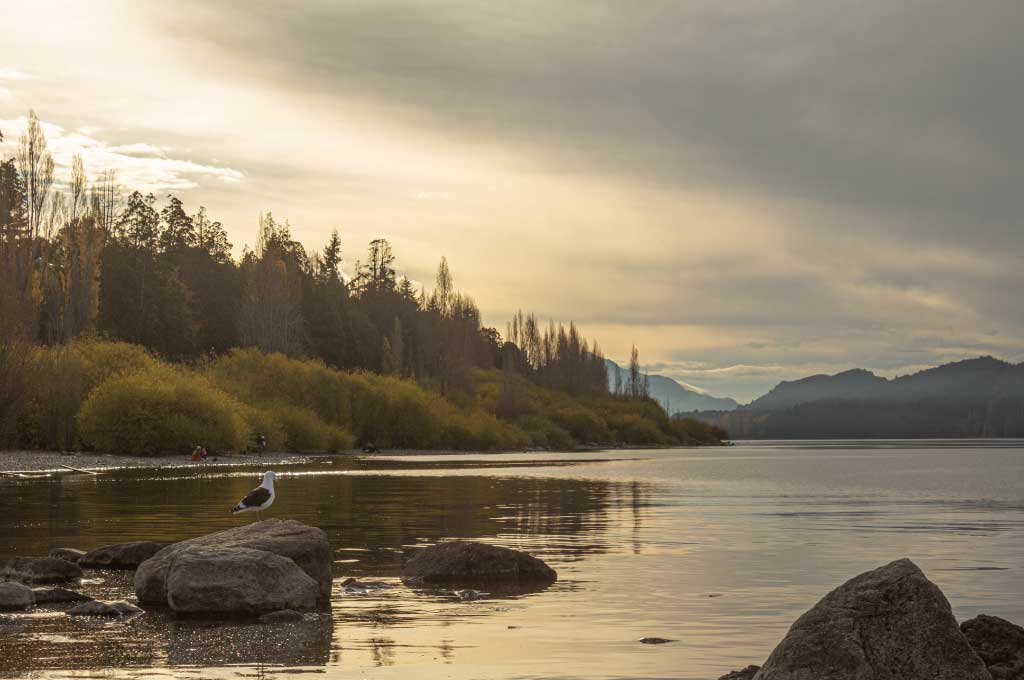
[[749, 191]]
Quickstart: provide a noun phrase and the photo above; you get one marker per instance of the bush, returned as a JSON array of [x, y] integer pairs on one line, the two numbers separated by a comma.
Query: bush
[[161, 410], [584, 425], [543, 432], [304, 431]]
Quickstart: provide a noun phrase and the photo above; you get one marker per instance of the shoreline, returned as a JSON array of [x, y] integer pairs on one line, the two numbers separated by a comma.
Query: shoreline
[[18, 461]]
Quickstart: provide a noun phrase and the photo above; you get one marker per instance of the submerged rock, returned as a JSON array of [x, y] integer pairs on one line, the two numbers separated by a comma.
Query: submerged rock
[[475, 563], [53, 595], [15, 597], [283, 616], [655, 640], [888, 623], [39, 570], [120, 555], [999, 643], [236, 582], [68, 554], [306, 546], [99, 608]]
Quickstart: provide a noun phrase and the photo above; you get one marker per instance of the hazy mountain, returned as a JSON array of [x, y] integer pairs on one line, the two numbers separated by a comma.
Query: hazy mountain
[[673, 396], [981, 397]]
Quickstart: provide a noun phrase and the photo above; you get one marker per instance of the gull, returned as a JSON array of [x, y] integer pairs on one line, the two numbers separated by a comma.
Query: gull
[[259, 499]]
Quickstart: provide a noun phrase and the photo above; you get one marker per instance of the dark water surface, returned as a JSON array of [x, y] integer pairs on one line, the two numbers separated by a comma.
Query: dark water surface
[[719, 549]]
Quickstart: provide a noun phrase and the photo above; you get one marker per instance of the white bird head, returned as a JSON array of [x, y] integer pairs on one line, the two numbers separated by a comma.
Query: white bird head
[[269, 478]]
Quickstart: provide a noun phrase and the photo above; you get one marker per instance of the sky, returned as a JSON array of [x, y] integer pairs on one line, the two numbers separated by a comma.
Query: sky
[[750, 191]]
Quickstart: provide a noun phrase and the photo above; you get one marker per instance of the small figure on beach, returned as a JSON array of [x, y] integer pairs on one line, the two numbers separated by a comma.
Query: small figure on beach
[[259, 499], [199, 454], [261, 443], [370, 448]]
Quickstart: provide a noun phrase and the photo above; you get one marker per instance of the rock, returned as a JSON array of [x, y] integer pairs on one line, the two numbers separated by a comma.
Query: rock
[[120, 555], [39, 570], [68, 554], [655, 640], [306, 546], [236, 582], [53, 595], [15, 597], [747, 673], [98, 608], [475, 563], [283, 616], [469, 595], [888, 623], [999, 643]]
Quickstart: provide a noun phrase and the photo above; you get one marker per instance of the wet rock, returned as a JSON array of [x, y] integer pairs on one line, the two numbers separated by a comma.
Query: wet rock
[[475, 563], [120, 555], [99, 608], [15, 597], [747, 673], [39, 570], [888, 623], [655, 640], [54, 595], [306, 546], [469, 595], [283, 616], [67, 554], [999, 643], [236, 582]]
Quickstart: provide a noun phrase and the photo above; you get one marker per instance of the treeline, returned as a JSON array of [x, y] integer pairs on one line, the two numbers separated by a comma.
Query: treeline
[[950, 417], [85, 261]]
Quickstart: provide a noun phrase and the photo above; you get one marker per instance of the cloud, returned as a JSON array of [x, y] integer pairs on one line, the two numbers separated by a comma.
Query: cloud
[[138, 166]]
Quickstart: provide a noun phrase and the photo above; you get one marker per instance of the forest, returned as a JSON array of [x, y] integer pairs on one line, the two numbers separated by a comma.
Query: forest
[[129, 326]]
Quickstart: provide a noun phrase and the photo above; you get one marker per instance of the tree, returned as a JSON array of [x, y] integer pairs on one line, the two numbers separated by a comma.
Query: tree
[[272, 279], [36, 166], [139, 224], [211, 237], [330, 267], [177, 231], [634, 387]]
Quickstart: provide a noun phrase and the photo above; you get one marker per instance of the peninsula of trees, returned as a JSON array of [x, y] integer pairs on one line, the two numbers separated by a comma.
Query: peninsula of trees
[[128, 326]]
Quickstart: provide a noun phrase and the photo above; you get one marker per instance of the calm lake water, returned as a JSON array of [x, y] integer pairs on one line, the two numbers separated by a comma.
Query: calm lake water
[[719, 549]]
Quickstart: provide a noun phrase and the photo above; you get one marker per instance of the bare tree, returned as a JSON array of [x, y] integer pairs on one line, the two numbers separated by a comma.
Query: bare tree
[[36, 166]]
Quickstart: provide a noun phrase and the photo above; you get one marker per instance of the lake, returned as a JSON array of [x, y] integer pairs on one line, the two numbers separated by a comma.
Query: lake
[[719, 549]]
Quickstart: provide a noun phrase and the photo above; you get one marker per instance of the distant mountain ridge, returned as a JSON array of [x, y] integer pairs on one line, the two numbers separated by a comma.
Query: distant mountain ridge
[[673, 397], [982, 397]]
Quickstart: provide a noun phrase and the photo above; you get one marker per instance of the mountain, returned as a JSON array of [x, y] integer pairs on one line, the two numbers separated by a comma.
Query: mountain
[[673, 396], [981, 397]]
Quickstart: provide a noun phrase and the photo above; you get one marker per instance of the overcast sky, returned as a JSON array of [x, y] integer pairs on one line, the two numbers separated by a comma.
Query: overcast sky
[[749, 191]]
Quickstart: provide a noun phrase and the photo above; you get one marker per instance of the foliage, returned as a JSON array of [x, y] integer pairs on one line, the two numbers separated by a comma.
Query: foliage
[[161, 410]]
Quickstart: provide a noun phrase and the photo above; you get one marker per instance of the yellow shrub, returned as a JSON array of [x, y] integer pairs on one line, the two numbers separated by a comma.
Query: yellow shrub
[[161, 410]]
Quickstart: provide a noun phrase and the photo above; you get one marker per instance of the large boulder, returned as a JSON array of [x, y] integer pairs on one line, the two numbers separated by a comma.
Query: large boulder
[[468, 563], [747, 673], [890, 623], [120, 555], [306, 546], [237, 582], [39, 570], [15, 596], [999, 643]]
